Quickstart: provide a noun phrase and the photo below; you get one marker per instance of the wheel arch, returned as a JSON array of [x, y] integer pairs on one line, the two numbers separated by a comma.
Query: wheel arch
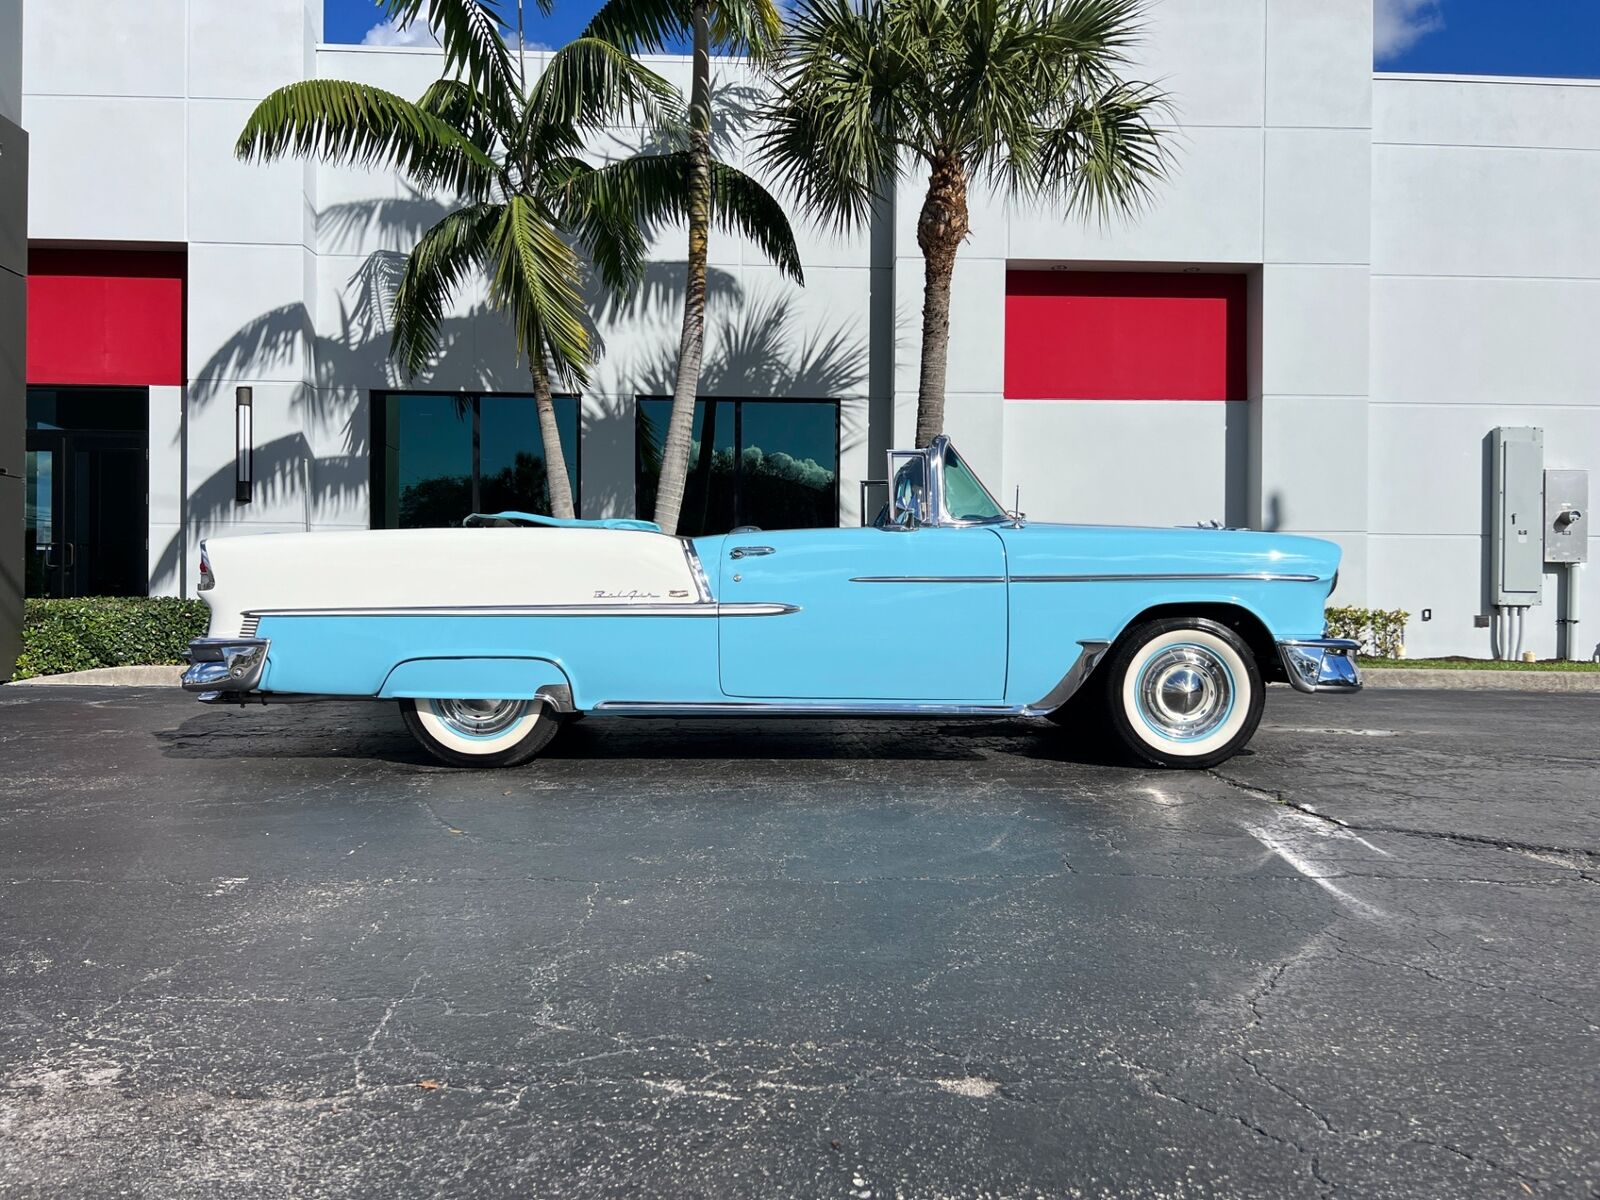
[[1251, 629], [483, 677]]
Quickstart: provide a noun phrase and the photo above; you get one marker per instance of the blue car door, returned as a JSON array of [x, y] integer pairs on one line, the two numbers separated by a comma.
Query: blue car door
[[882, 614]]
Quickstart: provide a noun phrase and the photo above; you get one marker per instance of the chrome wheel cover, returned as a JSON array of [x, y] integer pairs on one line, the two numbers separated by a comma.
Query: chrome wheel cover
[[1185, 692], [479, 718]]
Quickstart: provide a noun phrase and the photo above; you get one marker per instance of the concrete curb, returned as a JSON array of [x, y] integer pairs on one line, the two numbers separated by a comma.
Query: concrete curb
[[1482, 681], [109, 677]]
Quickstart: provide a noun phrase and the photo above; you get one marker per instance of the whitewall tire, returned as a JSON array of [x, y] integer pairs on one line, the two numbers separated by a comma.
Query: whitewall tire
[[1184, 692], [480, 733]]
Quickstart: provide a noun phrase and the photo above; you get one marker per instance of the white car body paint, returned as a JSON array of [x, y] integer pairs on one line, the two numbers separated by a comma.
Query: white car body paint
[[444, 569]]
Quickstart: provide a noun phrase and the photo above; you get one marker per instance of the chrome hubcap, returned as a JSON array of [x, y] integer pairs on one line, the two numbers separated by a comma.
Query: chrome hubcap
[[1185, 692], [479, 718]]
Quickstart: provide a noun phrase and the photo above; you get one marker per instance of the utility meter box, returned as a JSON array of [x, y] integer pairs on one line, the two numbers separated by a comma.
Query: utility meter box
[[1566, 516], [1516, 547]]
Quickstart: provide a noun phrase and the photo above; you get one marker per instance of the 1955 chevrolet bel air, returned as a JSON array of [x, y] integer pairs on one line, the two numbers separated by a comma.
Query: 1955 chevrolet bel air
[[492, 635]]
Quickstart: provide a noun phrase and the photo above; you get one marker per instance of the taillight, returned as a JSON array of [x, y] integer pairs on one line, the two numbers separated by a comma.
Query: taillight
[[207, 579]]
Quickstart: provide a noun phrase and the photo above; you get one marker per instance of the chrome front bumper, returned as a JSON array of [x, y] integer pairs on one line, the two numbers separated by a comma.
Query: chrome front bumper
[[226, 664], [1325, 665]]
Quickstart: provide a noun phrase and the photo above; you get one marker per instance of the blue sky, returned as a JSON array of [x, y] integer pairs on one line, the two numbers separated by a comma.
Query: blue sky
[[361, 20], [1461, 37], [1488, 37]]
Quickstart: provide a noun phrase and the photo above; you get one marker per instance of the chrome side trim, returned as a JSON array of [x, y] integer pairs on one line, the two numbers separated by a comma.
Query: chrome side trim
[[691, 609], [702, 585], [248, 626], [800, 708], [1082, 667], [928, 579], [1239, 576], [1321, 664], [225, 664]]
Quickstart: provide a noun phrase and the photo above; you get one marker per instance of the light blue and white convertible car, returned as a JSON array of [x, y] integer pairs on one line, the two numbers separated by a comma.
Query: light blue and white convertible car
[[490, 636]]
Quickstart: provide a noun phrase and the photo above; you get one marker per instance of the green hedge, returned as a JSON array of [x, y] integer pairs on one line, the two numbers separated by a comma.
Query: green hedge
[[107, 631], [1381, 632]]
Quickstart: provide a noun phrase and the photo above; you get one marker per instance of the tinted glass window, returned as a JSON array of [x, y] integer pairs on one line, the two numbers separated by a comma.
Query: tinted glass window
[[770, 463], [88, 408], [439, 457]]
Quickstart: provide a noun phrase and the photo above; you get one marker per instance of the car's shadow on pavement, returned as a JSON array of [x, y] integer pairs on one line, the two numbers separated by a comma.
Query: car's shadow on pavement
[[374, 731]]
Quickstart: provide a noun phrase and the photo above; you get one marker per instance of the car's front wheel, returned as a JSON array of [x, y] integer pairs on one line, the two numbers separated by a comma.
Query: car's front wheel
[[1183, 692], [480, 733]]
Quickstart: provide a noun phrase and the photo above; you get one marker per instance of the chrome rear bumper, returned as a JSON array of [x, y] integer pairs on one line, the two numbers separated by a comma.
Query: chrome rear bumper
[[226, 664], [1323, 665]]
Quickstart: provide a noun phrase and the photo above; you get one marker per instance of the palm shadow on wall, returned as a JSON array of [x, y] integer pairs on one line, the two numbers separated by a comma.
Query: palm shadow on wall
[[754, 352], [325, 461]]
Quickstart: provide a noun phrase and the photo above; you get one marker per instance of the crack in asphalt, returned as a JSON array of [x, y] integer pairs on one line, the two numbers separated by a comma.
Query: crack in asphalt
[[1284, 800]]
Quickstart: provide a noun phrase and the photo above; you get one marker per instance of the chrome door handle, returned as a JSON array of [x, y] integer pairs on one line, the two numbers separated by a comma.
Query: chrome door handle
[[749, 551]]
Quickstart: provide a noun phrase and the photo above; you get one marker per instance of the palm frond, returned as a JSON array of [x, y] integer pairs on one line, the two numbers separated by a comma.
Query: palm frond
[[469, 31], [340, 122], [590, 82], [1105, 157], [653, 188], [534, 279], [438, 265], [484, 118], [844, 98], [751, 27], [741, 204], [637, 26], [597, 207]]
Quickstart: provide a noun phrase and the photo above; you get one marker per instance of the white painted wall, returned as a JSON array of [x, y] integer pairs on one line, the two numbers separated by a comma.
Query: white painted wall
[[1486, 296]]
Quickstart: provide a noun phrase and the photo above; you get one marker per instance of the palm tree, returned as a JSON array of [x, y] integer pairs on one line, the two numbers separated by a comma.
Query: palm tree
[[510, 155], [708, 190], [1026, 96]]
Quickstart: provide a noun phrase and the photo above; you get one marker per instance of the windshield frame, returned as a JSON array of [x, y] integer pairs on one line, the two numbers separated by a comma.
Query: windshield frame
[[940, 452], [937, 515]]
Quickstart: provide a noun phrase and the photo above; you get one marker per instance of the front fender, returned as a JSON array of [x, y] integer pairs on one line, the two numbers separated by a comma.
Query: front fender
[[478, 678]]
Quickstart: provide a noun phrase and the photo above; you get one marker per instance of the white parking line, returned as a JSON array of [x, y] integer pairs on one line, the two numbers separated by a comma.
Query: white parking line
[[1313, 872]]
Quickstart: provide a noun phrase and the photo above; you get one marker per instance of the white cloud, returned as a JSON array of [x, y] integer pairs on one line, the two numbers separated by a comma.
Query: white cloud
[[1397, 25], [387, 33]]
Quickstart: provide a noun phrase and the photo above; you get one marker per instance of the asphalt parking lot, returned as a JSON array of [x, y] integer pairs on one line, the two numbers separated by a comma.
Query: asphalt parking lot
[[278, 952]]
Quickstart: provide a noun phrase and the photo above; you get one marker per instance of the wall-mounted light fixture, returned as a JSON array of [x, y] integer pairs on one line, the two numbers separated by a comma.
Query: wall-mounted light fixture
[[244, 447]]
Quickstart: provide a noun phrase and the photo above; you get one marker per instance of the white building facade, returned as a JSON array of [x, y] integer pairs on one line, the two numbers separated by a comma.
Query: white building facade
[[1345, 285]]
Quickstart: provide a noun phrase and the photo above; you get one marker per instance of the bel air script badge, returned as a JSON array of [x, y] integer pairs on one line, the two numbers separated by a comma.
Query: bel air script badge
[[630, 594]]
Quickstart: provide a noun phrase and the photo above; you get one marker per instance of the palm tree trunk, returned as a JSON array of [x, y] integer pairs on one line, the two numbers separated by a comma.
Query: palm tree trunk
[[941, 228], [691, 347], [555, 461]]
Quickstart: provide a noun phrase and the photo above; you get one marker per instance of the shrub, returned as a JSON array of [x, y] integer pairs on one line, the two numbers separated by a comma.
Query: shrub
[[1381, 632], [107, 631]]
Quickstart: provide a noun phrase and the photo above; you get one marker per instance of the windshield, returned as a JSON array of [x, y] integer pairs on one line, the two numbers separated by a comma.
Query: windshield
[[965, 499]]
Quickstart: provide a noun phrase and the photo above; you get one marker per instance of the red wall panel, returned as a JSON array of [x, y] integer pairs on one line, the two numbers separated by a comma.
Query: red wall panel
[[1129, 335], [108, 317]]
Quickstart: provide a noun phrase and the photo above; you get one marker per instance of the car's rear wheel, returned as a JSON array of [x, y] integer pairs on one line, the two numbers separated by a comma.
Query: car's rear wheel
[[480, 733], [1183, 692]]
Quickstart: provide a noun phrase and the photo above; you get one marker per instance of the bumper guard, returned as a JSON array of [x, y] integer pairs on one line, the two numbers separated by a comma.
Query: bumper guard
[[1325, 665], [226, 664]]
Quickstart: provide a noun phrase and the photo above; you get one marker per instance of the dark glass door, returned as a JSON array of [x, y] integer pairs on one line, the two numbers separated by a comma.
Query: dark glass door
[[86, 514]]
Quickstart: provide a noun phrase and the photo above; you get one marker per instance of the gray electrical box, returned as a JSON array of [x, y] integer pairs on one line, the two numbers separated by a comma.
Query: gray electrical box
[[1566, 516], [1516, 547]]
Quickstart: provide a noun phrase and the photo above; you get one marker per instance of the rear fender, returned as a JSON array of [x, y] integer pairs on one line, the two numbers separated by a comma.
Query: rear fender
[[479, 679]]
